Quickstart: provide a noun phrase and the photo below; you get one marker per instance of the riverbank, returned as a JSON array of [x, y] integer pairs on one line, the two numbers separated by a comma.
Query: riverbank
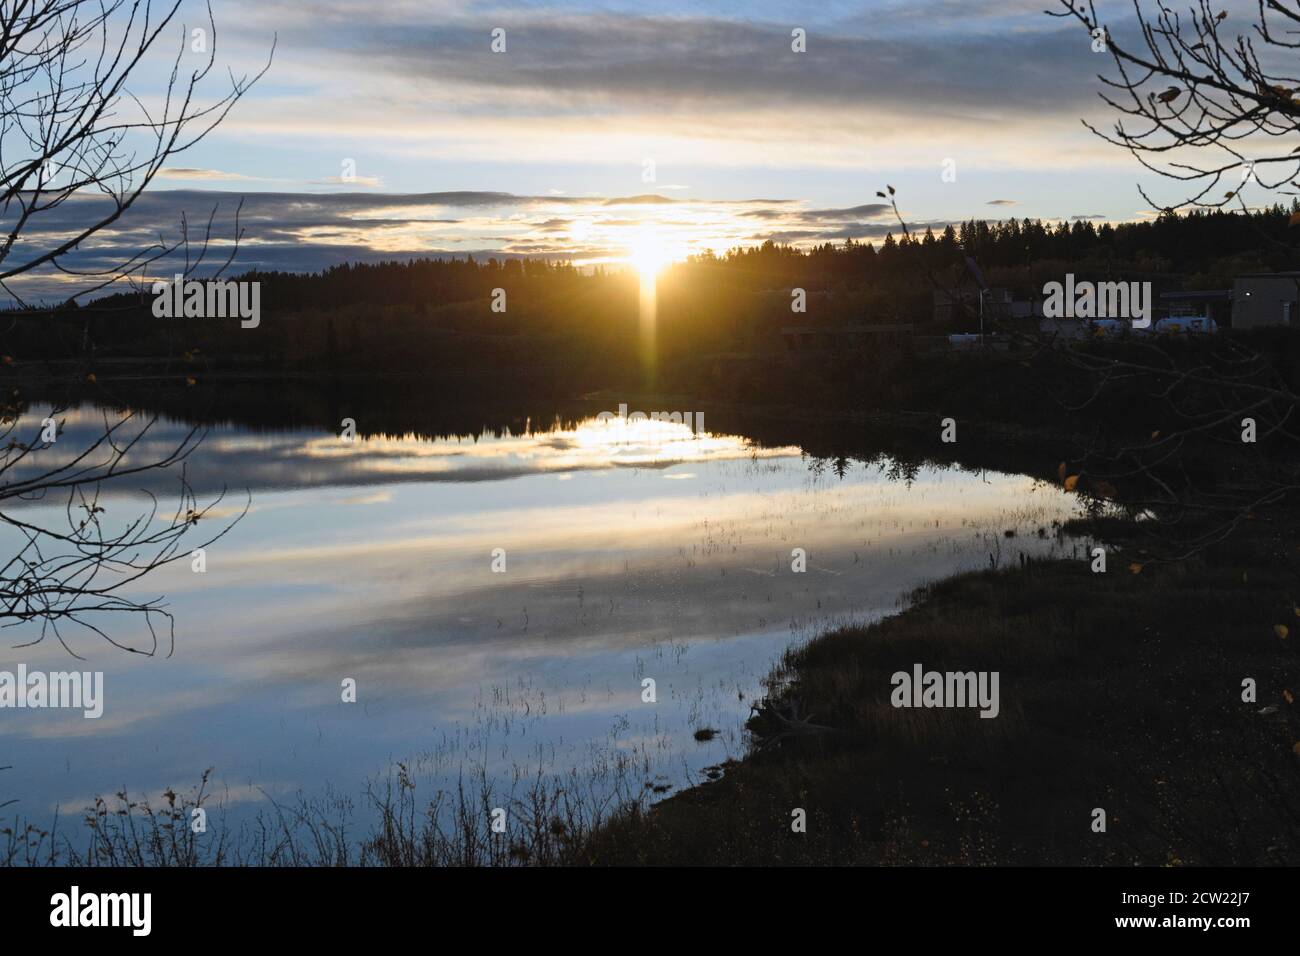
[[1119, 691]]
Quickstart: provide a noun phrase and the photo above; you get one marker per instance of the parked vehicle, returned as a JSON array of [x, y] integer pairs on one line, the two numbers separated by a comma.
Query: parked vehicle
[[1109, 328], [1186, 325]]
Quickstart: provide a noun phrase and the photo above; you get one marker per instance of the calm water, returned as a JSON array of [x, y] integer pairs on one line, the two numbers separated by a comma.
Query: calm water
[[631, 553]]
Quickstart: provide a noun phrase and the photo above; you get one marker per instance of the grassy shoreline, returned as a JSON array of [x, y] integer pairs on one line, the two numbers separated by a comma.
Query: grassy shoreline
[[1120, 691]]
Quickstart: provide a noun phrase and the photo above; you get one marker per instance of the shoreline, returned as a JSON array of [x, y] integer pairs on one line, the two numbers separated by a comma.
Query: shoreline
[[1101, 675]]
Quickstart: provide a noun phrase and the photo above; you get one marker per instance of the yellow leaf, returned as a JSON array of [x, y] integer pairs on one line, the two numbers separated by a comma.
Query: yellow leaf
[[1071, 482], [91, 377], [1281, 630], [1135, 568], [1155, 434], [1286, 696], [1296, 748], [1295, 216], [1060, 469], [190, 381]]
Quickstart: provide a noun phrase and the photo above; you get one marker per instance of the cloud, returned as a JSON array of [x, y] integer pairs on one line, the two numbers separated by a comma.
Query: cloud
[[645, 200], [368, 182], [689, 62], [1003, 202], [190, 173], [308, 232], [868, 211], [601, 84]]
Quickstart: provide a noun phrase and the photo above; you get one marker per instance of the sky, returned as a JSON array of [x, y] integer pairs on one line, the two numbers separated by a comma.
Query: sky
[[609, 131]]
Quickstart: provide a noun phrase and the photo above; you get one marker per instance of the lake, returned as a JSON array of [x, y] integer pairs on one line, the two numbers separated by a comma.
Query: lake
[[498, 599]]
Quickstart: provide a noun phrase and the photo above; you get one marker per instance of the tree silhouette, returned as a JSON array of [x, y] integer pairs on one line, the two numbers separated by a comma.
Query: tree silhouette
[[1197, 95], [78, 146]]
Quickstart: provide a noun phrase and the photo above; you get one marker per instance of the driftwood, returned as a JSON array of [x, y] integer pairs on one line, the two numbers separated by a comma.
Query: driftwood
[[770, 722]]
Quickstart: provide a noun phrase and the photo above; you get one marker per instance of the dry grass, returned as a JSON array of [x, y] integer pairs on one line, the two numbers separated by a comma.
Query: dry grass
[[1117, 691]]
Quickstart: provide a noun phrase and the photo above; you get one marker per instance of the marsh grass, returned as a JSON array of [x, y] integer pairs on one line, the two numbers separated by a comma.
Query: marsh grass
[[549, 820], [1120, 691]]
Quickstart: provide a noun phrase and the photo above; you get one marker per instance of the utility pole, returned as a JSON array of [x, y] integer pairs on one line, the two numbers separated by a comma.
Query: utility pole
[[979, 279]]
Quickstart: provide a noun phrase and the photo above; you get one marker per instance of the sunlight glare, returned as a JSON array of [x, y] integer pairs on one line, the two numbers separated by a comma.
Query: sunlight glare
[[648, 254]]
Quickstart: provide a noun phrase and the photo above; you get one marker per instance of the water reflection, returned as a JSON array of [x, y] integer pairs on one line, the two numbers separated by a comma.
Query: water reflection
[[298, 458], [631, 551]]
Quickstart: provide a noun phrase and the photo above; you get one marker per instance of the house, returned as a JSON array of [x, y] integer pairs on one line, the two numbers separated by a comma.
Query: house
[[1213, 304], [1256, 300], [999, 305], [1262, 299]]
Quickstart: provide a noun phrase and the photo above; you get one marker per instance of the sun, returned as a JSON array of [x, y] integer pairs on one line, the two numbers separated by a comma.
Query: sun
[[648, 254]]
